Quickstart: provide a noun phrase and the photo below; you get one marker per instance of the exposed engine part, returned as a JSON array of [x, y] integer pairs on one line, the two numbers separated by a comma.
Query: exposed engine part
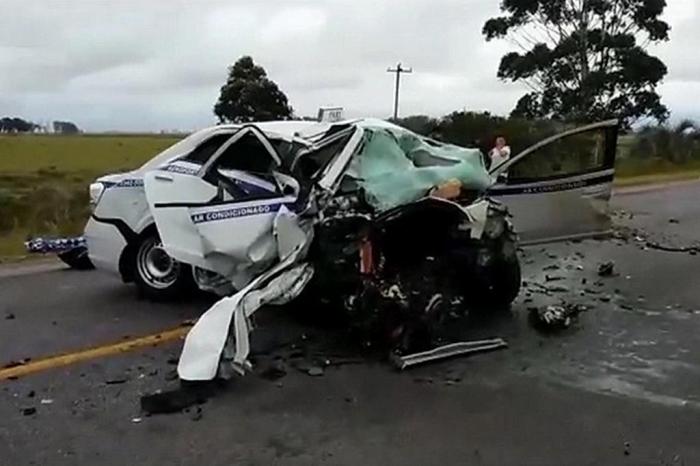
[[397, 278]]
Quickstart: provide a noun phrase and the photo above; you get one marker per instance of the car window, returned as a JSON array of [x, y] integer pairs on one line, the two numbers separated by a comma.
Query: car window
[[310, 164], [178, 149], [248, 154], [206, 149], [286, 150], [571, 155]]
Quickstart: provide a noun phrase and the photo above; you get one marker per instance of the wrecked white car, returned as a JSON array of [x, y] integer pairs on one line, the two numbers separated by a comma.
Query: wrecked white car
[[121, 235], [385, 226]]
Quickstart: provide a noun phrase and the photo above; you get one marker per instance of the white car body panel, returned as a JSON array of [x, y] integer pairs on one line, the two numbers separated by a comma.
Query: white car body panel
[[124, 201], [230, 238], [204, 346], [105, 243], [564, 206], [180, 240]]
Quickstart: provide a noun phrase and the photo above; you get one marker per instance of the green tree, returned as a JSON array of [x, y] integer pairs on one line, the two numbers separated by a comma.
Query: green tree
[[249, 95], [583, 60], [65, 127], [677, 144], [421, 124], [480, 130]]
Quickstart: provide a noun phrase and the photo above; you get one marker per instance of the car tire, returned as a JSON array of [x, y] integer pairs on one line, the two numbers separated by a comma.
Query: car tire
[[158, 276], [498, 286], [508, 287]]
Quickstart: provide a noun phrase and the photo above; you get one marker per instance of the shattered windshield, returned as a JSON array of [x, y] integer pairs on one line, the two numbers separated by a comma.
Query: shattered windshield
[[395, 166]]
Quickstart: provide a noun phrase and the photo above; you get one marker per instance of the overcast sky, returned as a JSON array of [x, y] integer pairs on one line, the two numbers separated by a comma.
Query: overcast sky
[[158, 64]]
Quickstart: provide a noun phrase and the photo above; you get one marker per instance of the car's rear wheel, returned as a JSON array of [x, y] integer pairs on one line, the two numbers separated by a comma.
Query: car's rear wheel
[[157, 275], [497, 285]]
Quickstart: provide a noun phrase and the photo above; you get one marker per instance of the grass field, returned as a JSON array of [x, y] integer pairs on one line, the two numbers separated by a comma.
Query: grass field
[[44, 179]]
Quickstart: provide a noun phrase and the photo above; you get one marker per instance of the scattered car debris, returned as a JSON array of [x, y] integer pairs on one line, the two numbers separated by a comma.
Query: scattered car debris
[[447, 351], [116, 380], [12, 364], [553, 278], [662, 247], [273, 372], [606, 269], [559, 289], [555, 317], [195, 413]]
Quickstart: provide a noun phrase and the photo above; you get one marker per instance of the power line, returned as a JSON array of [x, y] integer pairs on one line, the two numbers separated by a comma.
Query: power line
[[398, 70]]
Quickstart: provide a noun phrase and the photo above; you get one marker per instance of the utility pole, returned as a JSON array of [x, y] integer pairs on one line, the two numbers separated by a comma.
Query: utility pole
[[398, 70]]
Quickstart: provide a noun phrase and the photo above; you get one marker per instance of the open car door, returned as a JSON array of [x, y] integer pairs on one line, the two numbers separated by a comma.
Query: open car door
[[221, 217], [560, 188]]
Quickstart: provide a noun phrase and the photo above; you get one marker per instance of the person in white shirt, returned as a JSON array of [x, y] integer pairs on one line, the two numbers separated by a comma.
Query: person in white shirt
[[500, 152]]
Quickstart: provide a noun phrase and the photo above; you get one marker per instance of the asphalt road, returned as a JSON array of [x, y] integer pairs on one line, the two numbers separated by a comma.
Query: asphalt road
[[618, 387]]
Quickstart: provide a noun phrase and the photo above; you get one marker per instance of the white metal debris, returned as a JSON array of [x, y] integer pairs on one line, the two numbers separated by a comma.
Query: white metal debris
[[448, 351], [213, 340]]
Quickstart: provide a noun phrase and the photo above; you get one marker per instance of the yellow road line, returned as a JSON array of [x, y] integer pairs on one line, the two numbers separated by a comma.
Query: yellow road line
[[53, 362]]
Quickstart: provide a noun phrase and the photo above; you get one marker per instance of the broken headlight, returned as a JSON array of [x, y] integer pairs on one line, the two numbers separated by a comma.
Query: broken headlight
[[96, 191]]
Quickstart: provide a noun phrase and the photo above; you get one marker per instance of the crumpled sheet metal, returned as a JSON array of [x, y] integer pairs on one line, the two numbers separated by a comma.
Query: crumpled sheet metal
[[222, 332], [396, 167], [448, 351], [478, 215]]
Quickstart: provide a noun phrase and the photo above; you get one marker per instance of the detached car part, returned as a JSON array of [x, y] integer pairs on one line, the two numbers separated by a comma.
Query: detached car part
[[72, 251], [447, 351]]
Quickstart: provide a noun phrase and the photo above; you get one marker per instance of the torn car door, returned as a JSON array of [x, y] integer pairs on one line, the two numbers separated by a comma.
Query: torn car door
[[560, 188], [221, 218]]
